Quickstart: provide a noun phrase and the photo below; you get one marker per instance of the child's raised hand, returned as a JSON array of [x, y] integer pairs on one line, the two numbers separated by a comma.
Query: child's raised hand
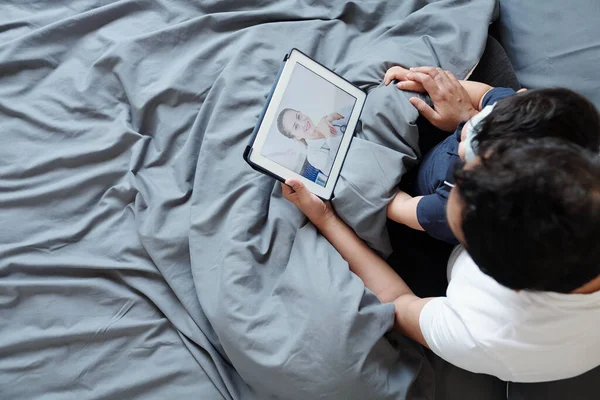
[[399, 74], [313, 207]]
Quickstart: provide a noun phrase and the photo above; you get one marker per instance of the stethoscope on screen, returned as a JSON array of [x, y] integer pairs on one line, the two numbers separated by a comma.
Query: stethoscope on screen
[[341, 126]]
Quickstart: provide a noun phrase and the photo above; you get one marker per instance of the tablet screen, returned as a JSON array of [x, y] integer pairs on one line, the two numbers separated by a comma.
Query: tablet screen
[[309, 125]]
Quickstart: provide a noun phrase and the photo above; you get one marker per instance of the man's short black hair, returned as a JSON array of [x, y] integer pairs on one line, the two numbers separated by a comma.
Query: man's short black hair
[[558, 112], [280, 123], [531, 214]]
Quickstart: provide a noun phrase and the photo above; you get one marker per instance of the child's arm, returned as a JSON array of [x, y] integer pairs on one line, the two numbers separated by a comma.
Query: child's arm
[[476, 91], [376, 274], [403, 209]]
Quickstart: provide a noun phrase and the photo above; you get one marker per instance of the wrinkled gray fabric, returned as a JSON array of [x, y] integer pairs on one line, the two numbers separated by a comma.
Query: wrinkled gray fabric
[[556, 43], [140, 257]]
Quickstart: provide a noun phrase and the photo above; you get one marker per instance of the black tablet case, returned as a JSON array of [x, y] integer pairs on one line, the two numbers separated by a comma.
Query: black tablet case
[[248, 149]]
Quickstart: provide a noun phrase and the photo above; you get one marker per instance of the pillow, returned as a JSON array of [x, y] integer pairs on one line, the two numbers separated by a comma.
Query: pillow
[[553, 43]]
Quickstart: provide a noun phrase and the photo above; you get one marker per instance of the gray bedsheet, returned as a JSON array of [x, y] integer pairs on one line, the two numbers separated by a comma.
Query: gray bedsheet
[[554, 43], [140, 257]]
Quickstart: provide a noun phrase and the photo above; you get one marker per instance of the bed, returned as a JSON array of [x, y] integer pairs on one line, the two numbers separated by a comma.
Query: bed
[[140, 257]]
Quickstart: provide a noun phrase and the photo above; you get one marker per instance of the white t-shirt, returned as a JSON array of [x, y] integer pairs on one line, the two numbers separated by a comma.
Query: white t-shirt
[[524, 336]]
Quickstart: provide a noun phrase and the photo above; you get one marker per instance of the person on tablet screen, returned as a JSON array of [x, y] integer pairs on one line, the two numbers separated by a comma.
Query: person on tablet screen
[[321, 140]]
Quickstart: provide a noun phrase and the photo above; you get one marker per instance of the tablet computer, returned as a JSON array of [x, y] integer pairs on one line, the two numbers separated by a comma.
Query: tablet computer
[[306, 127]]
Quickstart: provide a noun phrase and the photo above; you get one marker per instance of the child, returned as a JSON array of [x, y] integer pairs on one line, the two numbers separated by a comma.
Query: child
[[533, 114]]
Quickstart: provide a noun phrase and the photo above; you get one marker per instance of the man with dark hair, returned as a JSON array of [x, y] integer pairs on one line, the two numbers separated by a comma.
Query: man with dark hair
[[545, 195], [529, 311]]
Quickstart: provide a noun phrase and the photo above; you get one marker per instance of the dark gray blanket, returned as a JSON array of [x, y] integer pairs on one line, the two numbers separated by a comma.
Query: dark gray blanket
[[140, 257]]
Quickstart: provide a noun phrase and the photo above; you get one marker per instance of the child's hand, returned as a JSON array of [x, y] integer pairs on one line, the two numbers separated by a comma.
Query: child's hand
[[314, 208], [398, 73]]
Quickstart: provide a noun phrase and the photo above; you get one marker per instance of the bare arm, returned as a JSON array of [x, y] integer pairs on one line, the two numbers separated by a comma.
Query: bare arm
[[376, 274], [403, 209], [476, 91]]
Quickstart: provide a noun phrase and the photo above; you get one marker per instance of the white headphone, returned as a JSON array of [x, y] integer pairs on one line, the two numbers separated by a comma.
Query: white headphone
[[470, 147]]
